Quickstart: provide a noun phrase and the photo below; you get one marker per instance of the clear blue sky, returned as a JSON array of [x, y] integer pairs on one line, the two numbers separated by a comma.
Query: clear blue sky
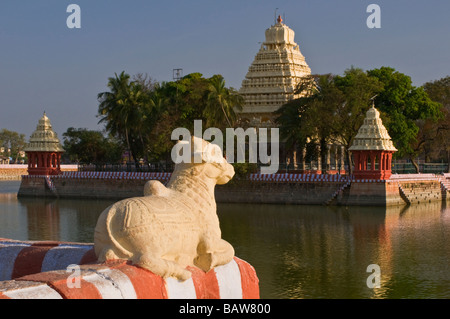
[[46, 66]]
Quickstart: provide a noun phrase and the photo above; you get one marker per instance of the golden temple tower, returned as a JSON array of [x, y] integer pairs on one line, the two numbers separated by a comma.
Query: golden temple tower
[[44, 150]]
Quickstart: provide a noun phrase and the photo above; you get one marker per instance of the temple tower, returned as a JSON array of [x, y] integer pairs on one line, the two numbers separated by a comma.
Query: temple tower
[[44, 150], [273, 76], [372, 149]]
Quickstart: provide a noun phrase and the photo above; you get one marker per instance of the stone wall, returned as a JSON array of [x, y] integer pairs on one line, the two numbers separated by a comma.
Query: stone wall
[[15, 171], [279, 190], [12, 173], [379, 193], [81, 188], [317, 192], [310, 193]]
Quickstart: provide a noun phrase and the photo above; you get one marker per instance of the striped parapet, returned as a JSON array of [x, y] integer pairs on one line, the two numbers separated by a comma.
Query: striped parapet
[[20, 258], [286, 177], [116, 175], [26, 264]]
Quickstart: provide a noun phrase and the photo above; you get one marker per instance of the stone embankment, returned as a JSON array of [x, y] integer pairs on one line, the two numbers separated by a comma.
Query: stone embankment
[[310, 189], [58, 270], [12, 172], [15, 171]]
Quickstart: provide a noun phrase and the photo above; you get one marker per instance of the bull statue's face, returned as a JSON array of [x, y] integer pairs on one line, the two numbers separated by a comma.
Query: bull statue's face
[[208, 158]]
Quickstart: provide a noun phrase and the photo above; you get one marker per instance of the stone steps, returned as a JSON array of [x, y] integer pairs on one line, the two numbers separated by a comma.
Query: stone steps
[[445, 186], [338, 192], [419, 193]]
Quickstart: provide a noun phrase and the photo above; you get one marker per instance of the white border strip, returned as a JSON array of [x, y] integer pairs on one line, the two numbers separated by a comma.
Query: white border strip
[[229, 279], [177, 289]]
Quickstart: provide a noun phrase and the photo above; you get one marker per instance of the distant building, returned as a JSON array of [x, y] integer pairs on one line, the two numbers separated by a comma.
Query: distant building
[[44, 150], [272, 78], [372, 149], [4, 159]]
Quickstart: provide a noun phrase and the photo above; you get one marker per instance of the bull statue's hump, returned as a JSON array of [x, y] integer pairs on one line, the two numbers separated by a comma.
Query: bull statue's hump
[[174, 226]]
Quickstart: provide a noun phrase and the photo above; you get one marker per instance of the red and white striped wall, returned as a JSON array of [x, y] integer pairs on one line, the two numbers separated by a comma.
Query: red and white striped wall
[[20, 258], [286, 177], [108, 175], [26, 266], [297, 178]]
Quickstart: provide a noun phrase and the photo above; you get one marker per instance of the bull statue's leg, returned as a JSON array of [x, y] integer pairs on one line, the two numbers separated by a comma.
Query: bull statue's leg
[[161, 267], [212, 253]]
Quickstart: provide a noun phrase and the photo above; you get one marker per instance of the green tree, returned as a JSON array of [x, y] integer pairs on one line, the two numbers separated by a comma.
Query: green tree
[[222, 103], [143, 113], [87, 146], [193, 97], [306, 119], [13, 144], [439, 91], [358, 89], [174, 104], [331, 110], [402, 108], [124, 110]]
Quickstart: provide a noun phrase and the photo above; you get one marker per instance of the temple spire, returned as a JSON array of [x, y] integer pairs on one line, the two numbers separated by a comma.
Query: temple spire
[[279, 20], [273, 76]]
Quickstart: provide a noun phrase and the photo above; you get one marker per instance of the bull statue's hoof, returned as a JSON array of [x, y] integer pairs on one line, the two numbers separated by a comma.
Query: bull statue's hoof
[[172, 227]]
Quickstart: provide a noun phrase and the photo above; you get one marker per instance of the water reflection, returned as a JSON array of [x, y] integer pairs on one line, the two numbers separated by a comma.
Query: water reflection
[[325, 251], [64, 220], [297, 251]]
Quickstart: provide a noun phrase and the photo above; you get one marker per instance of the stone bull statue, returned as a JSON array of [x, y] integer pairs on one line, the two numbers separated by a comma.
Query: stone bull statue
[[172, 227]]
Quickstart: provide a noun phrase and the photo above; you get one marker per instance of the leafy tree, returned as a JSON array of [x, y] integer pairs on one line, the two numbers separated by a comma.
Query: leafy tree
[[331, 110], [179, 103], [124, 110], [174, 104], [12, 143], [222, 103], [357, 88], [439, 91], [143, 113], [334, 107], [403, 107], [112, 106], [87, 146], [307, 119]]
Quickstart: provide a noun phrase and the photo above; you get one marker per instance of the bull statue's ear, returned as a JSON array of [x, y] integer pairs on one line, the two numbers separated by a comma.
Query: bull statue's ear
[[212, 154], [205, 152]]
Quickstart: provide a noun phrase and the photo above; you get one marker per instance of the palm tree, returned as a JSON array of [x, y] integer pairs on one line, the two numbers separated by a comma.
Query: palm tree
[[111, 106], [221, 103], [124, 110]]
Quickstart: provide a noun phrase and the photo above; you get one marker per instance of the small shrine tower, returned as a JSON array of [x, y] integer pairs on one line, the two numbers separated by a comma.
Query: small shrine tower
[[372, 149], [44, 150]]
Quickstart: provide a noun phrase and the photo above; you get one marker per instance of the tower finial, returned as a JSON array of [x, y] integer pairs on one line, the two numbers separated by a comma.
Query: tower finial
[[279, 20], [373, 100]]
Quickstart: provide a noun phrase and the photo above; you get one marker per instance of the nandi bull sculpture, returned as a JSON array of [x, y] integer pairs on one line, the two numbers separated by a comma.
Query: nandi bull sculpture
[[172, 227]]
